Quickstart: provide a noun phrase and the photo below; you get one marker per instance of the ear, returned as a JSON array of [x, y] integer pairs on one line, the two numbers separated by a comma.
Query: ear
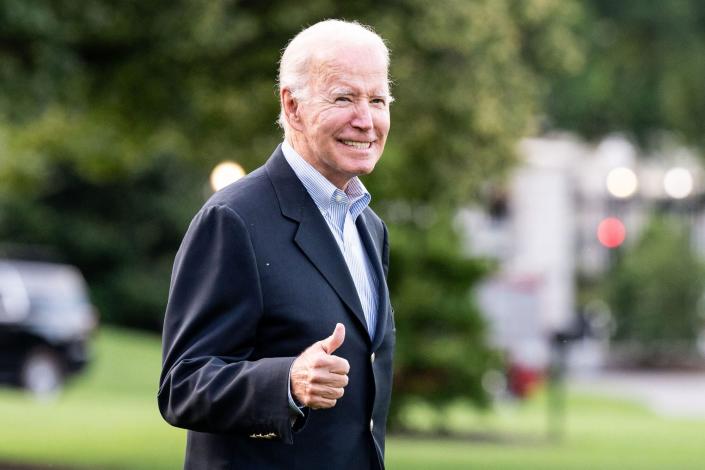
[[292, 109]]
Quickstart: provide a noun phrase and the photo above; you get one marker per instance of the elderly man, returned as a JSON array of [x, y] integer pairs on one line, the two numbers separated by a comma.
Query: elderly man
[[279, 333]]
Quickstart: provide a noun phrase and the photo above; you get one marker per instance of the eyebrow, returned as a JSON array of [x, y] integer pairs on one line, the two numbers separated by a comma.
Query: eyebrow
[[349, 91], [342, 91]]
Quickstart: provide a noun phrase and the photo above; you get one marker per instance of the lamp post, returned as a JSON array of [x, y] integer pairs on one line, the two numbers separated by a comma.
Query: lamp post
[[622, 184]]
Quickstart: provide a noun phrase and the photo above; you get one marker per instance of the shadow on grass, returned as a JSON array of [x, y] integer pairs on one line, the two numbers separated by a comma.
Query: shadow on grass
[[478, 437], [23, 466]]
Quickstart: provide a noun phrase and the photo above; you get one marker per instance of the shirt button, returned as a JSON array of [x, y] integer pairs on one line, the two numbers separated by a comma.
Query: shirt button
[[372, 358], [372, 424], [338, 198]]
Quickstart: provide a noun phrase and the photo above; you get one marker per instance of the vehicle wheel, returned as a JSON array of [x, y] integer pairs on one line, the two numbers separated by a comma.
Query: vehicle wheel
[[42, 373]]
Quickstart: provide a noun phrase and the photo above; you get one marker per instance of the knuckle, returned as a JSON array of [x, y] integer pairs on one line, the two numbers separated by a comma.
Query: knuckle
[[317, 377], [318, 404], [319, 360]]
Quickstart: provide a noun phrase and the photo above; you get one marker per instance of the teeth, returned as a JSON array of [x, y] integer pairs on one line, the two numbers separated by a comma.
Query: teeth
[[357, 145]]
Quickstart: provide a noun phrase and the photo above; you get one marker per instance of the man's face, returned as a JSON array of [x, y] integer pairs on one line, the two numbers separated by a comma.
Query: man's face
[[345, 120]]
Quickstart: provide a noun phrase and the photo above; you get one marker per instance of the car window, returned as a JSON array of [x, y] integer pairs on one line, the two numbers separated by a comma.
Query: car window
[[14, 302]]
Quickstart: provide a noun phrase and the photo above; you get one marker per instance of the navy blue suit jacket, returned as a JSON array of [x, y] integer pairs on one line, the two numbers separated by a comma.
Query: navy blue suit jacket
[[259, 278]]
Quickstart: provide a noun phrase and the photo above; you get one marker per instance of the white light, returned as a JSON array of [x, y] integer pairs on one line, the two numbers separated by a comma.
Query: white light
[[621, 182], [225, 173], [678, 183]]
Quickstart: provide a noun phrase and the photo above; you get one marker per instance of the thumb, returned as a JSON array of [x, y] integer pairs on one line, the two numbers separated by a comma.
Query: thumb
[[333, 342]]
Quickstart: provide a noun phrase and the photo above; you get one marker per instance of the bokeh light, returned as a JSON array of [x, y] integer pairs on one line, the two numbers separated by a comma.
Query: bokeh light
[[224, 174], [678, 183], [611, 232], [621, 182]]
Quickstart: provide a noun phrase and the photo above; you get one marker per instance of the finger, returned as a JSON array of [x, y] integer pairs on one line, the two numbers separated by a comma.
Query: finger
[[322, 403], [320, 395], [334, 393], [324, 391], [333, 342], [339, 365], [335, 364], [329, 379]]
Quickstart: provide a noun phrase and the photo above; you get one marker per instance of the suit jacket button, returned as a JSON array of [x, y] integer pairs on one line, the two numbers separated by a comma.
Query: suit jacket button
[[372, 424], [372, 358]]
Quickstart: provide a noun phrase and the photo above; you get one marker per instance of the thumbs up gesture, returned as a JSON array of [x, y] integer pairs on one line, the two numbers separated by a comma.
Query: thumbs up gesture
[[317, 376]]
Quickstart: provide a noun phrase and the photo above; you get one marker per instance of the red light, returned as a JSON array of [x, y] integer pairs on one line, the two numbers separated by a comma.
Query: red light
[[611, 232]]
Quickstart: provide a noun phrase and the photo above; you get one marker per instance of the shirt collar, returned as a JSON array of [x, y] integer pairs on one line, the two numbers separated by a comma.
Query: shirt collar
[[323, 192]]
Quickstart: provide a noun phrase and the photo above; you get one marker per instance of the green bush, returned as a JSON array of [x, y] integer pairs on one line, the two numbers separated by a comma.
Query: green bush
[[654, 292]]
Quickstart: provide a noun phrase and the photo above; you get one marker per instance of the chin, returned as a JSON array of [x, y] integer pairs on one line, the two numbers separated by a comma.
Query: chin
[[364, 170], [365, 165]]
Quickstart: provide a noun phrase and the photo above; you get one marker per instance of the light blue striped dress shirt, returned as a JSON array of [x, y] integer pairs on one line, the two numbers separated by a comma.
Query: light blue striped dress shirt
[[340, 209]]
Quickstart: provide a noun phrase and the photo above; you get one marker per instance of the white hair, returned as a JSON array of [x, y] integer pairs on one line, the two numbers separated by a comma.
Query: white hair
[[311, 45]]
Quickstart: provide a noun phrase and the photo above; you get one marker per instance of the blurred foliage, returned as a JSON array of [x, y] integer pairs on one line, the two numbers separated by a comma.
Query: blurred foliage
[[643, 74], [114, 112], [440, 348], [654, 292]]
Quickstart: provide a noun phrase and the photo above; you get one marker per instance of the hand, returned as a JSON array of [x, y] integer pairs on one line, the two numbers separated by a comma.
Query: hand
[[317, 377]]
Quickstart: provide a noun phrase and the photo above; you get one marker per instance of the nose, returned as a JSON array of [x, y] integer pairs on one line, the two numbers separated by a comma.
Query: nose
[[363, 116]]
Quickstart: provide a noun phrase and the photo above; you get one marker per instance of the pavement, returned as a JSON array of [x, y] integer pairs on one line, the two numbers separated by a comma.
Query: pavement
[[671, 394]]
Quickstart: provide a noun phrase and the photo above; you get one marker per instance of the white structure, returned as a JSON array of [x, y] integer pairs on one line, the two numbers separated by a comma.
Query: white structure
[[553, 204], [532, 295]]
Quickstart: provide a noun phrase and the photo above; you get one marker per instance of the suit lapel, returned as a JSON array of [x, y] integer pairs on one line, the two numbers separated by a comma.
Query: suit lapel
[[374, 252], [313, 236]]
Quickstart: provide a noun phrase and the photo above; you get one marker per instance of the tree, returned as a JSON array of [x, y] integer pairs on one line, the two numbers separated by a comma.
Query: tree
[[120, 108], [643, 73]]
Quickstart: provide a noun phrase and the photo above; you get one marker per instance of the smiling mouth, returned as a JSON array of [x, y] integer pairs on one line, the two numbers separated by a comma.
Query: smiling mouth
[[357, 144]]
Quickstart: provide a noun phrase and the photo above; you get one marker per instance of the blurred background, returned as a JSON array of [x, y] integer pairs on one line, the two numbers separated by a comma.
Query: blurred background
[[543, 184]]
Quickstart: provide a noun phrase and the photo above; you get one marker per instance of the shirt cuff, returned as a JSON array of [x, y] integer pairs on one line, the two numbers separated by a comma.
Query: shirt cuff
[[295, 409]]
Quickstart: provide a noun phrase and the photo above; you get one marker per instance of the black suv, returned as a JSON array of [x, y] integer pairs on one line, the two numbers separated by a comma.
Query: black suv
[[46, 319]]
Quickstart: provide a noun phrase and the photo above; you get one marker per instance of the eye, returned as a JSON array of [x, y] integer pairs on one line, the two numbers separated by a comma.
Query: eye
[[343, 99], [379, 101]]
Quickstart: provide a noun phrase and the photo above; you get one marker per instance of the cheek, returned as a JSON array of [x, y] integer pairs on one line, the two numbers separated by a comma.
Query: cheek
[[382, 123], [333, 118]]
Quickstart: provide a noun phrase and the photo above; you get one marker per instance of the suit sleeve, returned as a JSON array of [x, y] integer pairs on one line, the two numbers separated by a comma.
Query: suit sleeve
[[209, 382]]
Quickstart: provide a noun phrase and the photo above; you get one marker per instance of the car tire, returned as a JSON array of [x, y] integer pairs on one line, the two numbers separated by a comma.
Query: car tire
[[42, 373]]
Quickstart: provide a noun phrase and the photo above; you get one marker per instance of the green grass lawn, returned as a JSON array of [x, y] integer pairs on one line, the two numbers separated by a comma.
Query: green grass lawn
[[107, 419]]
